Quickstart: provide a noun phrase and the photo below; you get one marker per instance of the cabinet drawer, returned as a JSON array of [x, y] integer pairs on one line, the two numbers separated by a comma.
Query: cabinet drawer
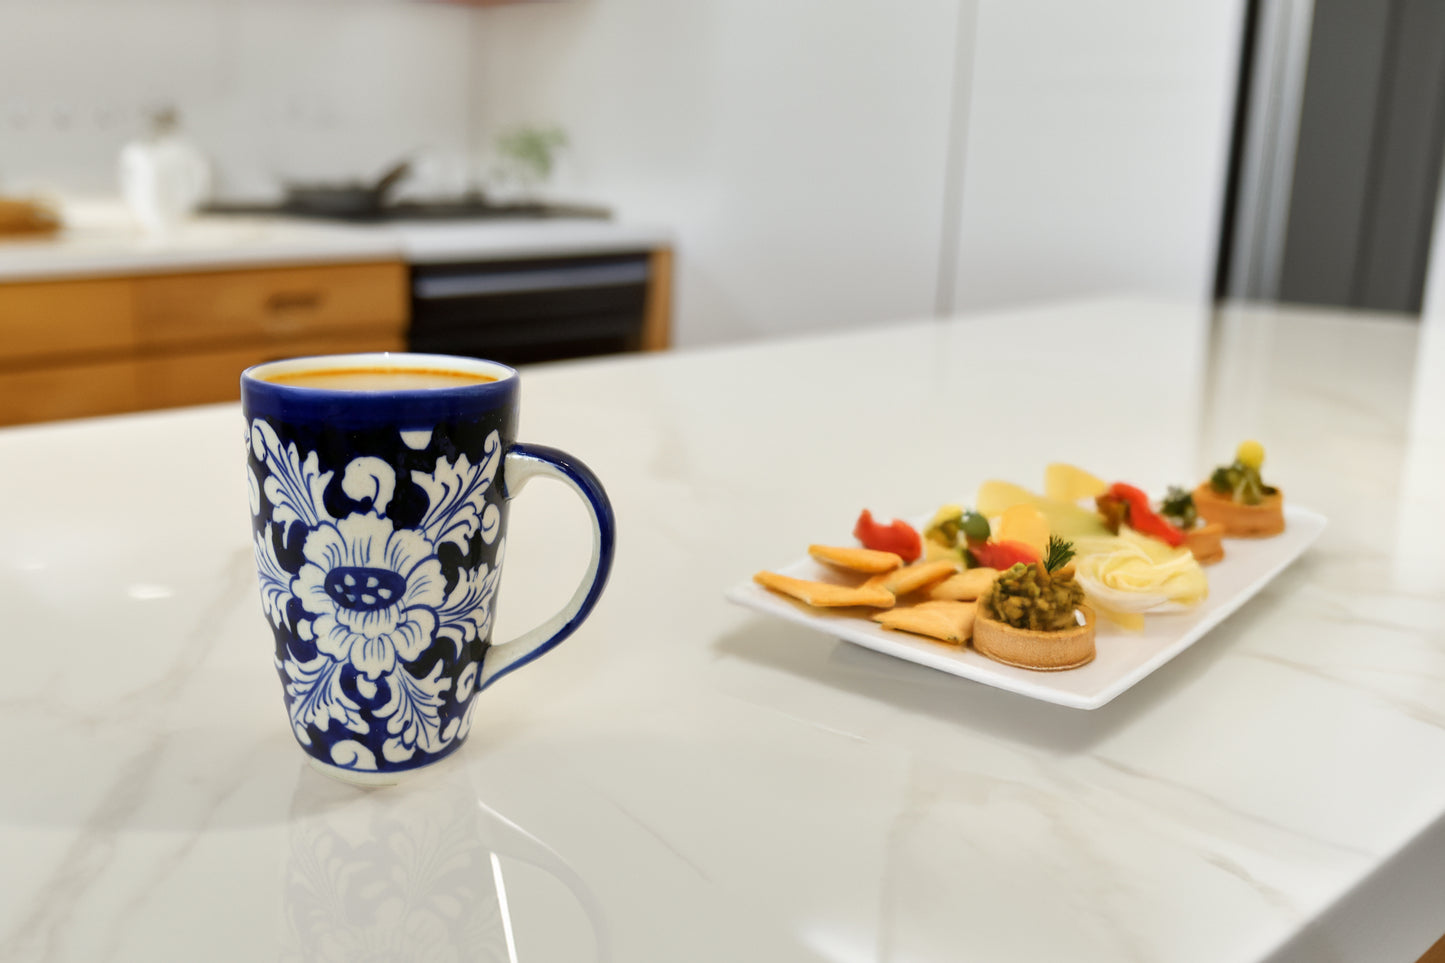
[[162, 381], [71, 391], [278, 303], [65, 317], [211, 376]]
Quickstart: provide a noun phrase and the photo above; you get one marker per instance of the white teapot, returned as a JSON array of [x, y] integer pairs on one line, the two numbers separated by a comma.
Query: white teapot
[[163, 176]]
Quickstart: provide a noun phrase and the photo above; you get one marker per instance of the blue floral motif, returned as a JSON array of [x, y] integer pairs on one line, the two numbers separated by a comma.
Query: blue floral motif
[[317, 698], [458, 509], [275, 582], [370, 598], [373, 590], [413, 715], [350, 754], [467, 614], [294, 487]]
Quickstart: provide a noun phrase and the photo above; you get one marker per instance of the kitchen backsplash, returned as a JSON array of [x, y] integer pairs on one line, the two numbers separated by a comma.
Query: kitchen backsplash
[[271, 90]]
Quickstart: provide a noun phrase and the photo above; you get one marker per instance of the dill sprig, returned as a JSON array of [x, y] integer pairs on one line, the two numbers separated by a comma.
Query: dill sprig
[[1057, 555]]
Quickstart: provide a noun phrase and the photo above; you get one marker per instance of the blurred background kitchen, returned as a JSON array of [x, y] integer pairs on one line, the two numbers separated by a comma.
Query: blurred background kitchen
[[188, 187]]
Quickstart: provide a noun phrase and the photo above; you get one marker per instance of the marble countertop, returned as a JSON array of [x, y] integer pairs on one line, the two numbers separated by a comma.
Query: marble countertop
[[688, 780], [101, 239]]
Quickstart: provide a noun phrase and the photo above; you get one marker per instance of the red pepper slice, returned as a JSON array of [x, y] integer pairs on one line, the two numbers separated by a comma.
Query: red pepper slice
[[1002, 555], [900, 538], [1142, 518]]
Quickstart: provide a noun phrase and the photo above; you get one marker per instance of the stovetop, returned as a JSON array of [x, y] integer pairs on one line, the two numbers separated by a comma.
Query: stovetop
[[452, 209]]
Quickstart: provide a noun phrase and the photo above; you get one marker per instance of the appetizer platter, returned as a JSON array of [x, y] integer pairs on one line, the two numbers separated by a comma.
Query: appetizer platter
[[1071, 596]]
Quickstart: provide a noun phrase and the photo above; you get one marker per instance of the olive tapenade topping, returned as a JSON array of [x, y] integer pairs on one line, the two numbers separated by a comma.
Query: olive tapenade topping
[[1241, 481], [1041, 597]]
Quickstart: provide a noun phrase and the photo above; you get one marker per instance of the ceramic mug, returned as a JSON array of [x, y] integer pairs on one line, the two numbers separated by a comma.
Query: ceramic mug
[[379, 519]]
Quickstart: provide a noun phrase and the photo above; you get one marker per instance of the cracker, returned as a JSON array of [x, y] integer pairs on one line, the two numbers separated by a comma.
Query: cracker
[[965, 586], [911, 578], [946, 620], [825, 594], [855, 559]]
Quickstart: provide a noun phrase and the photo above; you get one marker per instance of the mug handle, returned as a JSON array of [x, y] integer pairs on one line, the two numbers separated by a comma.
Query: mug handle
[[522, 463]]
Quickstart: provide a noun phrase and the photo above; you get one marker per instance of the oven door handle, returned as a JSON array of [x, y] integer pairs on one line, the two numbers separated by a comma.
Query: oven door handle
[[493, 283]]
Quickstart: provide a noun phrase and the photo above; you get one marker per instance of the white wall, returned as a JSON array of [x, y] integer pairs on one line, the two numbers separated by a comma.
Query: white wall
[[801, 148], [1096, 148], [796, 146], [269, 88]]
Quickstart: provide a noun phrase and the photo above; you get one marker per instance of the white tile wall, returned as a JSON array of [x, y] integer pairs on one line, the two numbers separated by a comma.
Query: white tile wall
[[270, 89]]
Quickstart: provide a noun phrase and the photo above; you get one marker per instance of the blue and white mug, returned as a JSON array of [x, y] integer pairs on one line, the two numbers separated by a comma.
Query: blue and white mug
[[379, 486]]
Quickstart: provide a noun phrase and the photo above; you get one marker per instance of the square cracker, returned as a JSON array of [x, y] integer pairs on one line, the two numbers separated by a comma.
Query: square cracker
[[911, 578], [947, 621], [965, 586], [825, 594], [855, 559]]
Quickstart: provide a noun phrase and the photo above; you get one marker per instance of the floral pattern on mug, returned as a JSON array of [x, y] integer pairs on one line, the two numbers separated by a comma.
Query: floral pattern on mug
[[373, 590], [372, 597]]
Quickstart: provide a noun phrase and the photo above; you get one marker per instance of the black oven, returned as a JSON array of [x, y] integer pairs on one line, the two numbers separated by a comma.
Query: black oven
[[538, 309]]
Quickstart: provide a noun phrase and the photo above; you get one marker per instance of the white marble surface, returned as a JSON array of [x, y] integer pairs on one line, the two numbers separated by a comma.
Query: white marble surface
[[686, 780], [101, 239], [438, 242]]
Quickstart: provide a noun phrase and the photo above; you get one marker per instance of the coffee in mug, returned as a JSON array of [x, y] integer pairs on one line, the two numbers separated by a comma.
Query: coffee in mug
[[377, 379]]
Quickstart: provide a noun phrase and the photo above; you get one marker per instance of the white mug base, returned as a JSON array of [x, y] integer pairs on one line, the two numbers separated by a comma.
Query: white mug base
[[370, 780]]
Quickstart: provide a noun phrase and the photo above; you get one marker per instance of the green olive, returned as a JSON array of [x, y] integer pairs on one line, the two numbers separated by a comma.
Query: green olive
[[976, 527]]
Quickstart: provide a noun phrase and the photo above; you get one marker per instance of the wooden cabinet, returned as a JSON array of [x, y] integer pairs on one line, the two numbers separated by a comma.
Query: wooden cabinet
[[47, 392], [54, 318], [273, 305], [91, 347]]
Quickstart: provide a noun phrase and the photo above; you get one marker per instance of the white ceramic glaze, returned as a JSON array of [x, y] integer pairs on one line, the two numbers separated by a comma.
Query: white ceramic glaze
[[689, 780]]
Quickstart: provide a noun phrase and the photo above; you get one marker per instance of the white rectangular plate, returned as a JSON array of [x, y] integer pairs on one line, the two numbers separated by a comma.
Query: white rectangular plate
[[1123, 658]]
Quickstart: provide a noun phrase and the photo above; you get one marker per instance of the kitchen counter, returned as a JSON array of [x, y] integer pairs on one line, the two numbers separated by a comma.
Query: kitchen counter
[[101, 319], [101, 240], [686, 780], [434, 242]]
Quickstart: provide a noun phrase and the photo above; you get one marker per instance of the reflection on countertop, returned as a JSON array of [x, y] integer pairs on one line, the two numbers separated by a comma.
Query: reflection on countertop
[[425, 873]]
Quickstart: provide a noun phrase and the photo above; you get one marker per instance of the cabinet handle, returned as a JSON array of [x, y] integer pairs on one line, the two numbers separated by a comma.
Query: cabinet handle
[[531, 280], [294, 301]]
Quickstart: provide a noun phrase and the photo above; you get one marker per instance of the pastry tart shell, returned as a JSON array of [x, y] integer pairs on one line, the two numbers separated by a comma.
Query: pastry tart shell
[[1241, 521], [1031, 649], [1206, 542]]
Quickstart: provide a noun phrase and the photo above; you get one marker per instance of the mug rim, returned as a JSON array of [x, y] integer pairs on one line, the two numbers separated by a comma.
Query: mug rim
[[400, 360], [349, 409]]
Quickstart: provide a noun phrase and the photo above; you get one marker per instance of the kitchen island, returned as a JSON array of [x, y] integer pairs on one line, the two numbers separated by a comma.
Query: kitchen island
[[687, 780]]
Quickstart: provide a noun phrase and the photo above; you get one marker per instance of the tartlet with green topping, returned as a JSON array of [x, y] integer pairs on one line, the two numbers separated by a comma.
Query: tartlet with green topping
[[1203, 538], [1236, 497], [1034, 617]]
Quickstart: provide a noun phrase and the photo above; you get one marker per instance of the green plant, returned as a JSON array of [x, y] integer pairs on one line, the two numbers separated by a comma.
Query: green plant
[[530, 153]]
